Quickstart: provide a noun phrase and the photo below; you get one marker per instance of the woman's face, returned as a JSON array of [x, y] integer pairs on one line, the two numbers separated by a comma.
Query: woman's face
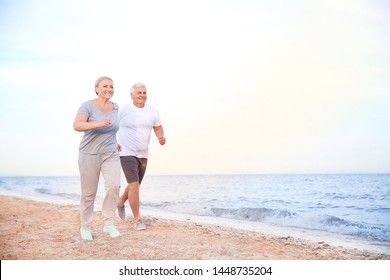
[[105, 88]]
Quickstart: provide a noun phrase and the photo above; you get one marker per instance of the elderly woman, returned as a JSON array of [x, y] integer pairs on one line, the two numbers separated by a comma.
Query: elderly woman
[[98, 153]]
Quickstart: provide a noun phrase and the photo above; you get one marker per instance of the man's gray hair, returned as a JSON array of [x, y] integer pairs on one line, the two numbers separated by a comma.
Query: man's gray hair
[[137, 85]]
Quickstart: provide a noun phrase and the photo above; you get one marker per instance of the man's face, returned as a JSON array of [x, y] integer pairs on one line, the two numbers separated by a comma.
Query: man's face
[[139, 96]]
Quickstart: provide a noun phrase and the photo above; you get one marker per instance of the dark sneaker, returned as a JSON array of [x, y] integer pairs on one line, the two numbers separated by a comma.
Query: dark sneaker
[[121, 212]]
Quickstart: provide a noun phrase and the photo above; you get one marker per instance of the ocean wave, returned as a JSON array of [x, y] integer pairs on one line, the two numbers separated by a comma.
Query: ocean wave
[[43, 191], [62, 195], [339, 225], [252, 214], [284, 217]]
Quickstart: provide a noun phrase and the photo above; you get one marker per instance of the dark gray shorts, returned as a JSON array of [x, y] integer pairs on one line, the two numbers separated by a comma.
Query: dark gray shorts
[[134, 168]]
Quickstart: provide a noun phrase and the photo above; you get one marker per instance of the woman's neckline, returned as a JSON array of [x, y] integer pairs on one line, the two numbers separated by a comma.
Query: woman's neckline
[[100, 109]]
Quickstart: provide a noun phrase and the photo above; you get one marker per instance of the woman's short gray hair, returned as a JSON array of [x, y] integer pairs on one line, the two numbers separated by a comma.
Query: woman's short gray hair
[[137, 85]]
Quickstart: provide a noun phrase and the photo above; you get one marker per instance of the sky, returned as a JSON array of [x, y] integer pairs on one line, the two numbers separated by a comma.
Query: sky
[[242, 86]]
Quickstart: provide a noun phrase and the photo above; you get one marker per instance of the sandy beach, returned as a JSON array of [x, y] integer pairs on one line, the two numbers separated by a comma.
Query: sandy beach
[[33, 230]]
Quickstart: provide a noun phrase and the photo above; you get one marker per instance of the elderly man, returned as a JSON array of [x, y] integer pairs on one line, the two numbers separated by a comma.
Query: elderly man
[[137, 120]]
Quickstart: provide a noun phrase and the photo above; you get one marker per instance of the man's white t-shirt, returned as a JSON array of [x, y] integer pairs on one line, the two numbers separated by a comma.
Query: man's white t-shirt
[[135, 128]]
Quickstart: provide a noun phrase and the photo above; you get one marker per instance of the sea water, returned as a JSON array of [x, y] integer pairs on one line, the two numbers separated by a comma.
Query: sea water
[[354, 208]]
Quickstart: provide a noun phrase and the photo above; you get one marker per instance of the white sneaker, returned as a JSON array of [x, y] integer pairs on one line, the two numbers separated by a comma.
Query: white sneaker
[[111, 230], [139, 225], [86, 234]]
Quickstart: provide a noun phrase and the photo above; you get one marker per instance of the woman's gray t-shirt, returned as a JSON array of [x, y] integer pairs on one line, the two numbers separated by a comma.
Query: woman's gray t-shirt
[[99, 140]]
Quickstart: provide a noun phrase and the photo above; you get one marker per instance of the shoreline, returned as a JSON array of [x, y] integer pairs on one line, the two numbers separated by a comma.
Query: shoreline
[[307, 235], [32, 230]]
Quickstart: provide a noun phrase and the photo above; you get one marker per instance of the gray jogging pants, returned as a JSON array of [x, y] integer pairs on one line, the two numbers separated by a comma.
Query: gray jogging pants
[[90, 168]]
